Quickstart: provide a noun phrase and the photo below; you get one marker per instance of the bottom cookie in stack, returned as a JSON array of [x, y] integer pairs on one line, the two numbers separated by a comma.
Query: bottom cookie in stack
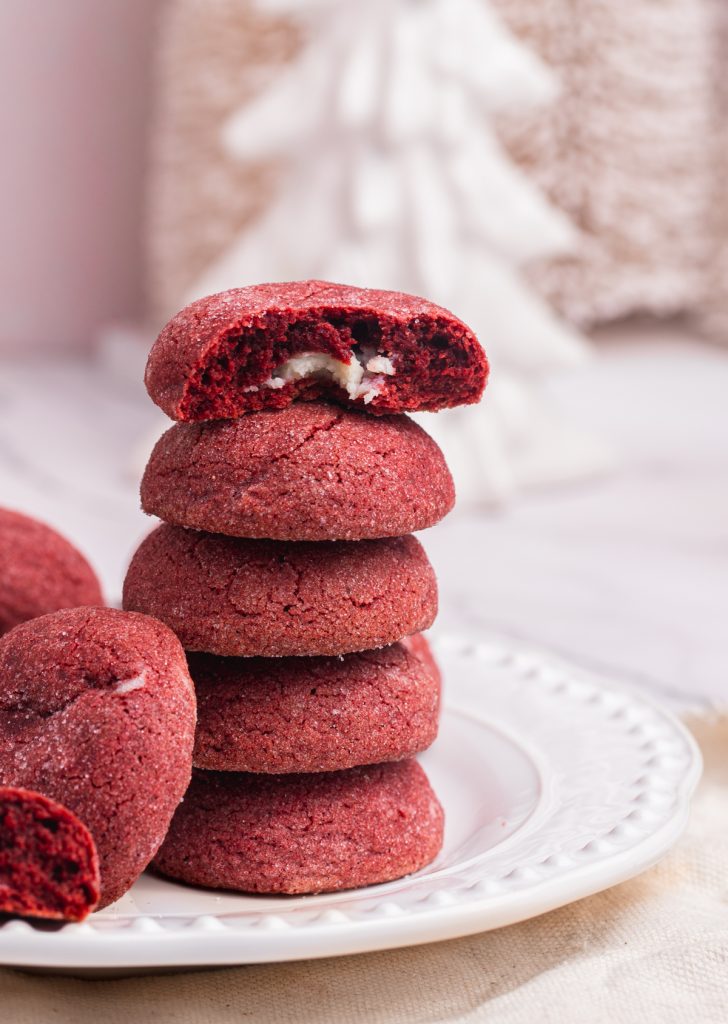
[[304, 833], [290, 794]]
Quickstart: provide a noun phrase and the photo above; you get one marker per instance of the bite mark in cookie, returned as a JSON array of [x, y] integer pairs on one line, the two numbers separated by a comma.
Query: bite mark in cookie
[[264, 346], [49, 867]]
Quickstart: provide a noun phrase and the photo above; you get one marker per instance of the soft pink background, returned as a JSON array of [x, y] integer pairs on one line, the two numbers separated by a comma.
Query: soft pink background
[[74, 97]]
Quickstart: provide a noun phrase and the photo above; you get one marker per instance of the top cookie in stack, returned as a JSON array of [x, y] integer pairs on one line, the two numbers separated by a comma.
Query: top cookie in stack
[[289, 489], [263, 347]]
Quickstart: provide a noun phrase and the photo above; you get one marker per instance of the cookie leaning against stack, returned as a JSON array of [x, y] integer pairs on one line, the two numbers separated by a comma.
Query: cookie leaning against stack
[[289, 487]]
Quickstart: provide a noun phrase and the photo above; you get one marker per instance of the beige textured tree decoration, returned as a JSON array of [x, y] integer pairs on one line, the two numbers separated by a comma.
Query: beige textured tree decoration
[[713, 309], [391, 176], [212, 56], [628, 151]]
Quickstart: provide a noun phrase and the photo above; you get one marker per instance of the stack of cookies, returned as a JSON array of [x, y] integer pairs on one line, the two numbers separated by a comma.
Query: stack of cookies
[[289, 489]]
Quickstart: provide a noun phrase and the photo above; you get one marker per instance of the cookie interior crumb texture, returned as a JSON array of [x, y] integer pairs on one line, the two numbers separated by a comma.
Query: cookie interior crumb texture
[[48, 862], [264, 346]]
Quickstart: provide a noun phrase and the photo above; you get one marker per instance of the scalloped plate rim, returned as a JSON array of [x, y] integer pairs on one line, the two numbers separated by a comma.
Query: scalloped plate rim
[[142, 944]]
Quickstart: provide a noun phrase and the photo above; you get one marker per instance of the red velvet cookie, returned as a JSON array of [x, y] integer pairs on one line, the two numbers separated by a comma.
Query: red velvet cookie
[[313, 471], [418, 644], [303, 833], [262, 347], [40, 571], [97, 711], [281, 715], [48, 861], [228, 596]]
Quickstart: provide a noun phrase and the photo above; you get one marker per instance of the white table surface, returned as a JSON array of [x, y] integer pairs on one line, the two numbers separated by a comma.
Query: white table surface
[[627, 574]]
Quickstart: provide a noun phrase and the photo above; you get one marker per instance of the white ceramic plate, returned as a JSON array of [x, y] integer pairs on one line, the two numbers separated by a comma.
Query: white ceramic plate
[[555, 785]]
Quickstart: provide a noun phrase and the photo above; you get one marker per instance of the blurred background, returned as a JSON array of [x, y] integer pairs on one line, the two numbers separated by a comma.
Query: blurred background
[[554, 171]]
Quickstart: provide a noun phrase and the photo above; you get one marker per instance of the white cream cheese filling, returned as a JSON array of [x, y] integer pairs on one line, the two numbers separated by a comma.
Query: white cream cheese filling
[[360, 378], [127, 685]]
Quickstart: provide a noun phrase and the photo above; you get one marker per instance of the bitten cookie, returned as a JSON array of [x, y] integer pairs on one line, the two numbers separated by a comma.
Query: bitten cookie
[[303, 833], [40, 571], [48, 862], [280, 715], [97, 712], [228, 596], [312, 471], [264, 346]]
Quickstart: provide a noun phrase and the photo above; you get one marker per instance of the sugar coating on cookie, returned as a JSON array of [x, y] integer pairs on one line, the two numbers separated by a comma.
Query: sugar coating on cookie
[[303, 833], [312, 471], [40, 571], [263, 346], [97, 711], [48, 862], [419, 645], [282, 715], [229, 596]]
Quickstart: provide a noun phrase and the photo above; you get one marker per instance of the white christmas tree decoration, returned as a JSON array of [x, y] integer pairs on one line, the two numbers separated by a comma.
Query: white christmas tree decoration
[[391, 177]]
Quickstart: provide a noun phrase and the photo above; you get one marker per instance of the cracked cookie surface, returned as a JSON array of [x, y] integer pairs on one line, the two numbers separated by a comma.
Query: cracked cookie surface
[[281, 715], [303, 833], [229, 596], [312, 471]]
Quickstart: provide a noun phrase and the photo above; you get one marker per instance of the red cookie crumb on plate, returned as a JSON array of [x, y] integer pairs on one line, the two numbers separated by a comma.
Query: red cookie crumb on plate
[[303, 833], [48, 862], [312, 471], [264, 346], [40, 571], [228, 596]]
